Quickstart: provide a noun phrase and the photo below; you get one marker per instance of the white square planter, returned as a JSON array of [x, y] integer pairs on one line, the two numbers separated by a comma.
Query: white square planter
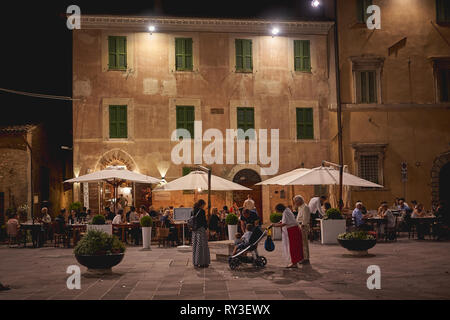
[[330, 229], [100, 227], [276, 233], [232, 230]]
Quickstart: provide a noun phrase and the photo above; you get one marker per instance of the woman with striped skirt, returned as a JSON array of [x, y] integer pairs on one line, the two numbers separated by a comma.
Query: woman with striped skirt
[[200, 249]]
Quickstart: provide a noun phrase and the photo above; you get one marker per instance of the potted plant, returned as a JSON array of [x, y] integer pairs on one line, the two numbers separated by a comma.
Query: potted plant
[[358, 242], [332, 224], [275, 218], [146, 224], [77, 206], [99, 223], [231, 220], [99, 251]]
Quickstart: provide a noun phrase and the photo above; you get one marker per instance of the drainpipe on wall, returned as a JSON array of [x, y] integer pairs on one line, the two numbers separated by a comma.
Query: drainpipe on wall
[[25, 139]]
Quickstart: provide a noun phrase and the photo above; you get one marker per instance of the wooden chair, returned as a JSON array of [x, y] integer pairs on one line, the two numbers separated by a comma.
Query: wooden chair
[[162, 235], [59, 235]]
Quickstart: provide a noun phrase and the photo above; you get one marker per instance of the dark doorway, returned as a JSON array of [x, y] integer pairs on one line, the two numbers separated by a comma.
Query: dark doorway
[[249, 178], [2, 208], [444, 183]]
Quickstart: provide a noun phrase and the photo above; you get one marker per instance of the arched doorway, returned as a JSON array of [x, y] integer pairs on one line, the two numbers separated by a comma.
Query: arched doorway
[[440, 179], [248, 178], [444, 183]]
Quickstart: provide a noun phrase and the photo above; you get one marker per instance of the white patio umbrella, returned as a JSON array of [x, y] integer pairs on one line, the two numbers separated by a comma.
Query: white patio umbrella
[[114, 176], [198, 180], [318, 176]]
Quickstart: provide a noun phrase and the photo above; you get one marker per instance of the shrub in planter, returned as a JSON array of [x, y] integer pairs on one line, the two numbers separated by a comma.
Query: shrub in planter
[[333, 214], [98, 243], [276, 217], [357, 242], [77, 206], [232, 219], [98, 220], [146, 222]]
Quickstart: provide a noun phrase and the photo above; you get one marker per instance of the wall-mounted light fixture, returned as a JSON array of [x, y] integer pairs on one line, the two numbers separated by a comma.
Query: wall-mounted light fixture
[[151, 29], [315, 3], [275, 31]]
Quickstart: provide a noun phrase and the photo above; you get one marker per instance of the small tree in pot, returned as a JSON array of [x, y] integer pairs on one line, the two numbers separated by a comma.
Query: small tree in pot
[[99, 223], [275, 218], [146, 224], [232, 220]]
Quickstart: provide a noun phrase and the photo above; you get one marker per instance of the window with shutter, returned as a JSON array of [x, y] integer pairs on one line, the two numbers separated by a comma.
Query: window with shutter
[[117, 50], [369, 167], [367, 86], [444, 85], [443, 11], [183, 54], [305, 124], [244, 60], [245, 120], [361, 7], [118, 122], [186, 118], [302, 55]]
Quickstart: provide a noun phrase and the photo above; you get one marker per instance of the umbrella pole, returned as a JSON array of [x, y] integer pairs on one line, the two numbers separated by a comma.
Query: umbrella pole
[[209, 192]]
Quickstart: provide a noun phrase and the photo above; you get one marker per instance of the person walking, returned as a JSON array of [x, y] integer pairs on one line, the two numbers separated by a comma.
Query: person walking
[[200, 249], [304, 219], [291, 236]]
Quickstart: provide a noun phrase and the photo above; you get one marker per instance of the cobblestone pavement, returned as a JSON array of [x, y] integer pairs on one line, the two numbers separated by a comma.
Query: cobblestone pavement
[[410, 269]]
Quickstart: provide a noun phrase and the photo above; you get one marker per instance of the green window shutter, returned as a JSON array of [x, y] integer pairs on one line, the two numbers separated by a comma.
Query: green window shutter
[[302, 55], [443, 11], [305, 123], [444, 86], [185, 118], [245, 119], [117, 52], [118, 127], [368, 87], [183, 54], [244, 55], [361, 10]]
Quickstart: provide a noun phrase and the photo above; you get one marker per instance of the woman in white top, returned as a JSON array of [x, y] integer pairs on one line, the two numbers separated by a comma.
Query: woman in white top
[[118, 218], [291, 236]]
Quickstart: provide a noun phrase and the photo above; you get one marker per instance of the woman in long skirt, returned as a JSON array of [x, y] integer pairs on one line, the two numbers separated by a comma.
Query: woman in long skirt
[[291, 236], [200, 249]]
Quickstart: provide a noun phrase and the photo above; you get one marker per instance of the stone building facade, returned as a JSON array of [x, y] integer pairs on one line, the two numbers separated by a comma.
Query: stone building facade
[[128, 110], [31, 172], [395, 96]]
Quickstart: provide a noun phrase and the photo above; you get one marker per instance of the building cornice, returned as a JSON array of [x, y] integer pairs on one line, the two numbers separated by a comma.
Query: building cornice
[[166, 24], [389, 107]]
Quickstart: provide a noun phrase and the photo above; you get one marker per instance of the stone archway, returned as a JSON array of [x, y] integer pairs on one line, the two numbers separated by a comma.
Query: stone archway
[[248, 178], [116, 157], [440, 173]]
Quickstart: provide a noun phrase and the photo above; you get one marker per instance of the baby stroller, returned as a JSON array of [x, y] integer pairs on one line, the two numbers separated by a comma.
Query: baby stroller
[[257, 260]]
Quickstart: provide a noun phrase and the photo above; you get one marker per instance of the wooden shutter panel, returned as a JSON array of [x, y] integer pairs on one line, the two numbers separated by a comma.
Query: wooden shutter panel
[[306, 56], [122, 122], [112, 121], [179, 54], [297, 55], [247, 53], [188, 54], [239, 55], [111, 52]]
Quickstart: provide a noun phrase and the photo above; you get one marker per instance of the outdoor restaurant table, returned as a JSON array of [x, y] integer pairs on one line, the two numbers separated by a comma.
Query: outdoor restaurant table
[[76, 227], [35, 231], [378, 221], [430, 220], [126, 226]]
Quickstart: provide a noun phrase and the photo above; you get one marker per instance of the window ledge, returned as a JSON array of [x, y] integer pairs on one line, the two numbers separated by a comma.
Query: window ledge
[[113, 140]]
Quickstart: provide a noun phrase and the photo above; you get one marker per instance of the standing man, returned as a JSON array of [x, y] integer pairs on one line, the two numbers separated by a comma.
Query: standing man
[[315, 206], [303, 218], [249, 203]]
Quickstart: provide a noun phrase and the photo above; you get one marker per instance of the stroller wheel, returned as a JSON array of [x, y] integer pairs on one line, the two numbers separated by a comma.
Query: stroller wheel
[[233, 263], [260, 262]]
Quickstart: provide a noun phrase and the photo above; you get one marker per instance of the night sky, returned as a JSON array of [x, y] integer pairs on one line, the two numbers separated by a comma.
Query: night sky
[[36, 48]]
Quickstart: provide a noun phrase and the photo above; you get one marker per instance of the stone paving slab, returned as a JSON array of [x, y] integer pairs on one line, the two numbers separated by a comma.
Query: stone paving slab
[[410, 269]]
